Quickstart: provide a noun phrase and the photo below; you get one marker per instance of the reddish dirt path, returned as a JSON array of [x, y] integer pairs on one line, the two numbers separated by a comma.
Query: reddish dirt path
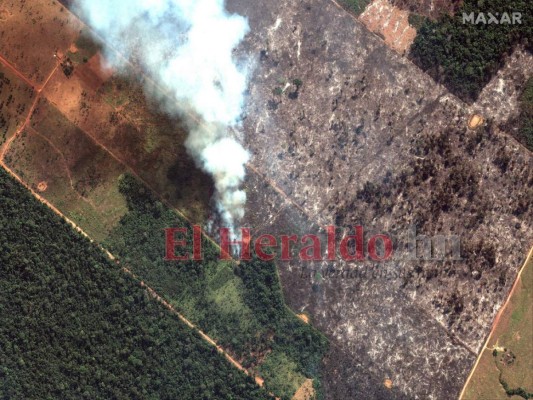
[[12, 68], [204, 336], [495, 323]]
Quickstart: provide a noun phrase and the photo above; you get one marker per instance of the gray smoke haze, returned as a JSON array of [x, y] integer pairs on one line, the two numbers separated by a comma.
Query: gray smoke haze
[[186, 47]]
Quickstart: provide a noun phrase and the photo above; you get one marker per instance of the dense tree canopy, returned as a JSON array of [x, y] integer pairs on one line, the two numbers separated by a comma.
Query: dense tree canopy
[[465, 56]]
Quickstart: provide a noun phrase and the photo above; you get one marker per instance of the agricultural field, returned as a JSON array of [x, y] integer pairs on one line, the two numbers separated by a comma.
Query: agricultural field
[[504, 369], [69, 169], [31, 32], [113, 110], [16, 97]]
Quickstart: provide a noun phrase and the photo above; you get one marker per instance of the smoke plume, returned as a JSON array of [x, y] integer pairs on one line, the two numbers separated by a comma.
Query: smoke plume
[[186, 47]]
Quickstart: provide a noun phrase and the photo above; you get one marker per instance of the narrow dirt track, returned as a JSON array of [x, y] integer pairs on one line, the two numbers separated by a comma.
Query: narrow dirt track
[[12, 68], [38, 92]]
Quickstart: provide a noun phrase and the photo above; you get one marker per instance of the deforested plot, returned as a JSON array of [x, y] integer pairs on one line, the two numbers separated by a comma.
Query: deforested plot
[[31, 32], [16, 97], [63, 164]]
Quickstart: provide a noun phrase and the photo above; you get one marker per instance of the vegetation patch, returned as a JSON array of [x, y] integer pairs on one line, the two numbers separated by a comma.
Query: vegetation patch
[[85, 47], [240, 306], [464, 56], [280, 374], [416, 20], [355, 6]]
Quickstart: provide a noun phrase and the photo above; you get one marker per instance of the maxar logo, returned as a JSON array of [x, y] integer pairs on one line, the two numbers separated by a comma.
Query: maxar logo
[[495, 19]]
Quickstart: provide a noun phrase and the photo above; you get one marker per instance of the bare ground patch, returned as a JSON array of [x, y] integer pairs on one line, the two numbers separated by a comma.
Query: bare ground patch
[[391, 23]]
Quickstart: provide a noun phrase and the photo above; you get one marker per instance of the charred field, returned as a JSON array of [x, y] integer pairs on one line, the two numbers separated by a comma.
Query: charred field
[[369, 139], [343, 131]]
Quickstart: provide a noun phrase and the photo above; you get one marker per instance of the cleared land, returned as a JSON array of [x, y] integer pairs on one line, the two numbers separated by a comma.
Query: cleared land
[[370, 139], [80, 176], [32, 32], [113, 110], [391, 23], [16, 97]]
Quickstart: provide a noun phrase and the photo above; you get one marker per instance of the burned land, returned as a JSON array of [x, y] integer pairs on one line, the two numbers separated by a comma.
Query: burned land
[[367, 138], [343, 131]]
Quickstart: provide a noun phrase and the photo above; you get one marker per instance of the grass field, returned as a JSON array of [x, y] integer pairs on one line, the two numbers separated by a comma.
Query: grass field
[[81, 179], [505, 368]]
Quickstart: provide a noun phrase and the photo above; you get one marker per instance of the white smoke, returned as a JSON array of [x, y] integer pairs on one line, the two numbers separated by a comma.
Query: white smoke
[[187, 46]]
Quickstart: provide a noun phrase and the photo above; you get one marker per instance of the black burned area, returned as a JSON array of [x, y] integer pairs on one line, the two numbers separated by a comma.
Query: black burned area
[[446, 181]]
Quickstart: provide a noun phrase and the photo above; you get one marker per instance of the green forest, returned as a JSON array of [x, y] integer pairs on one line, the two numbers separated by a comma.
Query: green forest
[[240, 305], [74, 326], [465, 56]]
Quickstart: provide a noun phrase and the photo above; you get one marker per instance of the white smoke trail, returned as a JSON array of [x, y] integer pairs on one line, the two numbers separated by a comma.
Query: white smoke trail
[[186, 46]]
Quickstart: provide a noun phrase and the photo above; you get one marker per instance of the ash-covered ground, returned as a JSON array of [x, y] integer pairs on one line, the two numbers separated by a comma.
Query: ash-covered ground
[[344, 131]]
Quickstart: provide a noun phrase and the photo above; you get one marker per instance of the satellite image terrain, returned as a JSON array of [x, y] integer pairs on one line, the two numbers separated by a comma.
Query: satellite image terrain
[[283, 199]]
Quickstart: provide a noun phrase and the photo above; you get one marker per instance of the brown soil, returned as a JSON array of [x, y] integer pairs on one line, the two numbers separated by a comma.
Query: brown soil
[[4, 15], [475, 121], [391, 23], [305, 392], [304, 318], [42, 186], [73, 48]]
